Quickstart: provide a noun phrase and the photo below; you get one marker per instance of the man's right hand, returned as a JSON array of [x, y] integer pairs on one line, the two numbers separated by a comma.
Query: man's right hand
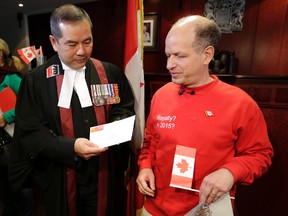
[[146, 182], [86, 149]]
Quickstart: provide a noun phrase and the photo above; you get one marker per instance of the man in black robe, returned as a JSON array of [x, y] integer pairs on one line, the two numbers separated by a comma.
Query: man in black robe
[[54, 113]]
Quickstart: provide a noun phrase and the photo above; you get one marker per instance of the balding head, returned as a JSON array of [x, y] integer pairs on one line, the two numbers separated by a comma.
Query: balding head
[[206, 31]]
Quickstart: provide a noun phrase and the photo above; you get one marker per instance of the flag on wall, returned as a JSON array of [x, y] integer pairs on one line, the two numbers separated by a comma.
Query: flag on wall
[[27, 54], [133, 67]]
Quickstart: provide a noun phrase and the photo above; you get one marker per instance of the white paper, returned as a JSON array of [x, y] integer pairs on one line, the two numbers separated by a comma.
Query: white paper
[[112, 133], [221, 207], [9, 128]]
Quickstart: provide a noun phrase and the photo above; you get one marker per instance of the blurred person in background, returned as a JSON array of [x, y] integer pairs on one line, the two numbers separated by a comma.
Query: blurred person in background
[[10, 76]]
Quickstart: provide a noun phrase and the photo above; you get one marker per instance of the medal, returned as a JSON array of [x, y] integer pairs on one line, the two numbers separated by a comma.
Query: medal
[[100, 96], [104, 90], [94, 95], [204, 211], [110, 94], [116, 92], [104, 94]]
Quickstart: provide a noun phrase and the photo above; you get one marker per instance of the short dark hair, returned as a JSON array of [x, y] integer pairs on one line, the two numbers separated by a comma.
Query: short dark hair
[[66, 13]]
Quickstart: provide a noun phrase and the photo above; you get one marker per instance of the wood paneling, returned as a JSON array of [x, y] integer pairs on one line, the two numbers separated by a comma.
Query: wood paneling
[[267, 196], [269, 33], [283, 62], [260, 48]]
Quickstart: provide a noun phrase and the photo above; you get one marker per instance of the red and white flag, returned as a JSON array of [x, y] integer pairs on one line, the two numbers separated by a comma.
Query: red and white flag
[[27, 54], [133, 67], [39, 51], [39, 56], [133, 64], [183, 167]]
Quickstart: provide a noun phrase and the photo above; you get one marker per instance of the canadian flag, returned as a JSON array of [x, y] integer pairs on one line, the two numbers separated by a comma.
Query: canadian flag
[[39, 51], [133, 67], [27, 54], [133, 64], [39, 56], [183, 167]]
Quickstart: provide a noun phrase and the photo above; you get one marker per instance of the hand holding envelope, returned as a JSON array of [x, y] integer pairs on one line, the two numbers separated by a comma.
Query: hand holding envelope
[[112, 133], [86, 149]]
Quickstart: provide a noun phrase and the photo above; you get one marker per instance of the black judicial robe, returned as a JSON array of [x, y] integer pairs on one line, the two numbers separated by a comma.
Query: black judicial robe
[[40, 154]]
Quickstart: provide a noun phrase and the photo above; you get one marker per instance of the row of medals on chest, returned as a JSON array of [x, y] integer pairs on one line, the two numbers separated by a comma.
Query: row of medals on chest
[[105, 94]]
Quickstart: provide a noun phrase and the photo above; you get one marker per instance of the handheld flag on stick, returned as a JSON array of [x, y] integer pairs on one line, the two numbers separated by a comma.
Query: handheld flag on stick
[[183, 167], [40, 56], [27, 54]]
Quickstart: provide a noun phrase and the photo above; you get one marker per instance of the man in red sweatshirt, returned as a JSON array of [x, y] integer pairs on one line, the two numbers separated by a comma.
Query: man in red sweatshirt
[[220, 122]]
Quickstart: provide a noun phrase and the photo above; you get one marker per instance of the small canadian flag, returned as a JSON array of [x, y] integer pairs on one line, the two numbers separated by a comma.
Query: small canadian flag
[[27, 54], [183, 167]]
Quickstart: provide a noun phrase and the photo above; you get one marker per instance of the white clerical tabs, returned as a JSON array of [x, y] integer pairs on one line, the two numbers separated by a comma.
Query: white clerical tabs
[[183, 167], [113, 133]]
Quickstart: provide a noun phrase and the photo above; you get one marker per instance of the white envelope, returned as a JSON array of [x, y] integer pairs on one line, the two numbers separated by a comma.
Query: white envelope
[[112, 133]]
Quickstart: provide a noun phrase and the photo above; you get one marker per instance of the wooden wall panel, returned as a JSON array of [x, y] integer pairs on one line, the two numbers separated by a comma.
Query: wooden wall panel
[[283, 62], [270, 28], [267, 196], [260, 47]]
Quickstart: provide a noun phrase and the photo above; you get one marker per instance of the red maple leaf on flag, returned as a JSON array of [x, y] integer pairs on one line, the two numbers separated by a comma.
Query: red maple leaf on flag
[[183, 166], [29, 55]]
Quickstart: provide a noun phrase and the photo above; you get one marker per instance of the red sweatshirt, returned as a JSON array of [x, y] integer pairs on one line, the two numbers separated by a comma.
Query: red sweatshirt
[[223, 124]]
